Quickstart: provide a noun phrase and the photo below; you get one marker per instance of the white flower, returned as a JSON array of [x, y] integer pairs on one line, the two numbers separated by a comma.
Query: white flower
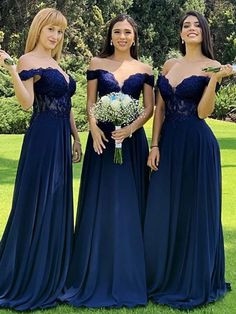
[[118, 108], [115, 104], [126, 100], [105, 100]]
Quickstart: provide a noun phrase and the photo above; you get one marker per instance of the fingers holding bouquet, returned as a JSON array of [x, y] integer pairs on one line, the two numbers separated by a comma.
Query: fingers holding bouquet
[[119, 109], [120, 134]]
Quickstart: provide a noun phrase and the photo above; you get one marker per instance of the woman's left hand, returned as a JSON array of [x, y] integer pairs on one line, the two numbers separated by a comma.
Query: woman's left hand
[[76, 152], [122, 133]]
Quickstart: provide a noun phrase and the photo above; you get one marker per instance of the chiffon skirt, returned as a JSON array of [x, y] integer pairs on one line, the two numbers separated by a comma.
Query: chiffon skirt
[[183, 233], [36, 245]]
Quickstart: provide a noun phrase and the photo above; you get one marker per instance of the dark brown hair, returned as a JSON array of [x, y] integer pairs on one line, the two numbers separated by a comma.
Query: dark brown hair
[[207, 48], [108, 49]]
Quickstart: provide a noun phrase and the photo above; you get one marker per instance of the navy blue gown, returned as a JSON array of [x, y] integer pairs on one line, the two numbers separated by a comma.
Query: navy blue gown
[[107, 267], [36, 245], [183, 232]]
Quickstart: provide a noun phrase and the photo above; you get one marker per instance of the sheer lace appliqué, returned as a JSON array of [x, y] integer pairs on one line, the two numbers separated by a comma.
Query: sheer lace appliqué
[[52, 91], [181, 102]]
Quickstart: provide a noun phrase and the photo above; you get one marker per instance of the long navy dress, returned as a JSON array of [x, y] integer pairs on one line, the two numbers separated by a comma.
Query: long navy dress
[[183, 232], [107, 267], [36, 245]]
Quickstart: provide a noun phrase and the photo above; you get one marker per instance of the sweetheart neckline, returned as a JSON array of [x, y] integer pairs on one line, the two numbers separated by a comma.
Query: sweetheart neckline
[[181, 82], [124, 81], [51, 68]]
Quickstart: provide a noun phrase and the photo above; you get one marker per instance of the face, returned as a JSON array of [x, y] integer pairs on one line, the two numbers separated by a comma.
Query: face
[[191, 30], [122, 35], [50, 36]]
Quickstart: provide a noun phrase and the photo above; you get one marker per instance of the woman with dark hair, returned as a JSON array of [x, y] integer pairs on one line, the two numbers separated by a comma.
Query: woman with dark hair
[[107, 267], [183, 233]]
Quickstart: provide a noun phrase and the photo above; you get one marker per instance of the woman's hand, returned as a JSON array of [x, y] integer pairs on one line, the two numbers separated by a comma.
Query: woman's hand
[[153, 158], [98, 139], [122, 133], [5, 56], [225, 70], [76, 151]]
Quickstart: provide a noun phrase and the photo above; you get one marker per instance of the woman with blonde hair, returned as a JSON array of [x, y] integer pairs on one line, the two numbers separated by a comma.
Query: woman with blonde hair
[[36, 245]]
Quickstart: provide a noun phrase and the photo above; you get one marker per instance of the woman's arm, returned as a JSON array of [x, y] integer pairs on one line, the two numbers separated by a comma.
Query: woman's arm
[[77, 148], [24, 90], [97, 134], [159, 116], [74, 130], [207, 103], [148, 102]]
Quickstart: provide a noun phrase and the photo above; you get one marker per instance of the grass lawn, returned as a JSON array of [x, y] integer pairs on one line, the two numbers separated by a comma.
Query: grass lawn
[[226, 134]]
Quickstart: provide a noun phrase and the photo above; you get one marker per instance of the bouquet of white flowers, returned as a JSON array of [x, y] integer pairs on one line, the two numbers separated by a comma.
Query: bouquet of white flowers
[[121, 110]]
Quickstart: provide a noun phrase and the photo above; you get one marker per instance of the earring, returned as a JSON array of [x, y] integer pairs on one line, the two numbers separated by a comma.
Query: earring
[[182, 41], [111, 43], [133, 44]]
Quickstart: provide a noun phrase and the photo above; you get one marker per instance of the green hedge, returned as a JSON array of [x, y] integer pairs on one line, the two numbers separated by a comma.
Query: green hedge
[[15, 120], [12, 118], [79, 102], [225, 102], [6, 87]]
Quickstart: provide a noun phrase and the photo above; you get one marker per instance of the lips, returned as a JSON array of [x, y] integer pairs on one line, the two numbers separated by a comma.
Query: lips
[[122, 43], [192, 35]]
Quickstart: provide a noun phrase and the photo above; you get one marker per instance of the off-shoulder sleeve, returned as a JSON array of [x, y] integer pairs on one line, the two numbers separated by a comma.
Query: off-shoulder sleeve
[[27, 74], [149, 79], [92, 75]]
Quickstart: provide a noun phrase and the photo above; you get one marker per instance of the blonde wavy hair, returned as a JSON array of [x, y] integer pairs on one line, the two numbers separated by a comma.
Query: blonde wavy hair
[[45, 17]]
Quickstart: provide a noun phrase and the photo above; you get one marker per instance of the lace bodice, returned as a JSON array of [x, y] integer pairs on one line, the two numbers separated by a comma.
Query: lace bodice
[[52, 91], [181, 101], [107, 83]]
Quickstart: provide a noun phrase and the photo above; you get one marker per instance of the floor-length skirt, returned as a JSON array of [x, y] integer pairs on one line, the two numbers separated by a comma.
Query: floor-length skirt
[[107, 267], [36, 245], [183, 233]]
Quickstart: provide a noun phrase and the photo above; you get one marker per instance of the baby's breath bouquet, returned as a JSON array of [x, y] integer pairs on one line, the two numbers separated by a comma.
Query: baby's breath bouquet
[[121, 110]]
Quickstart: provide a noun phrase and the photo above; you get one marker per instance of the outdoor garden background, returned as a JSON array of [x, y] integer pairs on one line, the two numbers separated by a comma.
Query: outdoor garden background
[[158, 39]]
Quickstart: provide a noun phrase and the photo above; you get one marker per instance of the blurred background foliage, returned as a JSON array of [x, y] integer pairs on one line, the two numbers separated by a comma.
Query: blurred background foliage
[[158, 22]]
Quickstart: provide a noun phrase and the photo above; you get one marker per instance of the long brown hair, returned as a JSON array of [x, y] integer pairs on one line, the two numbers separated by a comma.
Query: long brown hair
[[44, 17], [108, 49], [207, 47]]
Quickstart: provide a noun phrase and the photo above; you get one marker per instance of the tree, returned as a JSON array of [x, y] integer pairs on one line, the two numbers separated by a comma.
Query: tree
[[158, 27], [223, 20], [195, 5]]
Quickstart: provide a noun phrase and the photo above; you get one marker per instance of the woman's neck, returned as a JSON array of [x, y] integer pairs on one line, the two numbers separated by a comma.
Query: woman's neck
[[194, 54], [41, 52], [121, 56]]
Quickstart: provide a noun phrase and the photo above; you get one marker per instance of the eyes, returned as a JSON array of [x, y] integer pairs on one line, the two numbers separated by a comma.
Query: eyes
[[188, 25], [126, 32], [55, 29]]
